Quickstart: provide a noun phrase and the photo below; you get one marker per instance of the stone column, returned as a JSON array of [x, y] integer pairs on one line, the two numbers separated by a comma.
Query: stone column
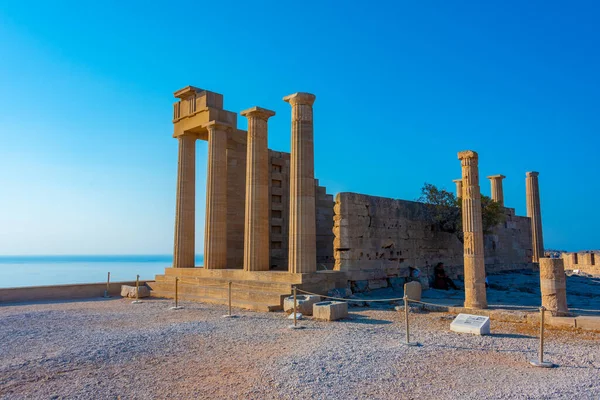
[[534, 212], [458, 187], [497, 191], [256, 228], [553, 286], [302, 256], [215, 232], [185, 211], [475, 296]]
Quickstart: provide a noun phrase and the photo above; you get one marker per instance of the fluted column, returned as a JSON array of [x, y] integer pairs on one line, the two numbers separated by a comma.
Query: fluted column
[[185, 211], [256, 228], [459, 187], [215, 232], [302, 256], [475, 296], [534, 212], [497, 191]]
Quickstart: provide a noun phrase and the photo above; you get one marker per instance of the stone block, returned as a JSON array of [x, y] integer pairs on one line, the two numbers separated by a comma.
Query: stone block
[[377, 284], [130, 291], [413, 290], [330, 310], [591, 323], [304, 303], [360, 286]]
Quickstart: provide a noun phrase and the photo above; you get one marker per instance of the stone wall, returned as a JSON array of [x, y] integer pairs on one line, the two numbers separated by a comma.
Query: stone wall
[[378, 238], [279, 191], [588, 262]]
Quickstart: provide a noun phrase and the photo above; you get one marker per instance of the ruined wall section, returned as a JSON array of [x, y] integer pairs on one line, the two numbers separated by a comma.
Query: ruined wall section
[[280, 210], [379, 238], [588, 262]]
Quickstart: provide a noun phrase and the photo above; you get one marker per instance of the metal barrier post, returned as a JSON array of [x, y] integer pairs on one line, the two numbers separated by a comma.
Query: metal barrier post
[[540, 362], [408, 342], [229, 302], [106, 292], [137, 290], [177, 306], [295, 310]]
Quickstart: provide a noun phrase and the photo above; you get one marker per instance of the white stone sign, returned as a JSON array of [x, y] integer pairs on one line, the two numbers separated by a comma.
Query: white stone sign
[[467, 323]]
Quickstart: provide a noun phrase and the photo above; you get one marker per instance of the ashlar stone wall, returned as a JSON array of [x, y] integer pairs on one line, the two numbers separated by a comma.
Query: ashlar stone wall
[[378, 238], [588, 261]]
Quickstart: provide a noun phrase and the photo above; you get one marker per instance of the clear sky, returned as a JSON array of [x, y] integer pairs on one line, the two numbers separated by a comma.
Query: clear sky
[[88, 164]]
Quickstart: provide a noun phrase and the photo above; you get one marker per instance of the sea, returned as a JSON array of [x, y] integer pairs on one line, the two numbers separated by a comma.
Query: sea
[[21, 271]]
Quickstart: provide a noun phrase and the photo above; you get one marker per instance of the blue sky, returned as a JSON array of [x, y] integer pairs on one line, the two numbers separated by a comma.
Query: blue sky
[[87, 162]]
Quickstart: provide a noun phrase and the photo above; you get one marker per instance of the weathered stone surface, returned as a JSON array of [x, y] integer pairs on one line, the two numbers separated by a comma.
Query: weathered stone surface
[[304, 303], [130, 291], [553, 286], [413, 290], [377, 284], [497, 191], [360, 286], [378, 238], [330, 310], [583, 262]]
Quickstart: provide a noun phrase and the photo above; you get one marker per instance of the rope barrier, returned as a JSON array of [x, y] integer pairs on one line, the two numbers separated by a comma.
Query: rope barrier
[[344, 299]]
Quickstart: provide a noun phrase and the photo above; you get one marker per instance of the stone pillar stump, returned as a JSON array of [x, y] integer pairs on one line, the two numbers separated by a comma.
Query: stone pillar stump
[[553, 285]]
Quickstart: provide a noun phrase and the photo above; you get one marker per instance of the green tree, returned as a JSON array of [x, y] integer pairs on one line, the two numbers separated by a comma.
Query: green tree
[[444, 210]]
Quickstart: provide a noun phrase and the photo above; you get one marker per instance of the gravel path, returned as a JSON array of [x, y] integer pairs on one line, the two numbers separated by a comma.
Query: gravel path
[[110, 349]]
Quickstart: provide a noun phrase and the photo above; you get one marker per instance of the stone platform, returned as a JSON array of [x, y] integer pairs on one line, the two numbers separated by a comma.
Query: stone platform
[[253, 290]]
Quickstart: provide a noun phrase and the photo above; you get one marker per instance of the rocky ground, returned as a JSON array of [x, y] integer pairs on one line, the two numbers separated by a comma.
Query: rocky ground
[[111, 349]]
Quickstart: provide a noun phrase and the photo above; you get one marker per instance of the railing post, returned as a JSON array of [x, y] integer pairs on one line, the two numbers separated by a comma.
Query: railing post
[[408, 342], [177, 306], [137, 290], [230, 315], [107, 291], [540, 361], [294, 311]]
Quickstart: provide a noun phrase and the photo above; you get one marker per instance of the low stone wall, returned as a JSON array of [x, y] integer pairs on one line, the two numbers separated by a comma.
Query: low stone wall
[[61, 292]]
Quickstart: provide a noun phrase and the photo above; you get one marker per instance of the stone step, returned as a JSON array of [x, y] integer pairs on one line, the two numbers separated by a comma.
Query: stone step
[[248, 305], [219, 294], [236, 283]]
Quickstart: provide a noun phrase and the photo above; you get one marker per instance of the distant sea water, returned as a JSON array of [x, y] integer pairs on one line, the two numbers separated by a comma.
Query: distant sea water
[[19, 271]]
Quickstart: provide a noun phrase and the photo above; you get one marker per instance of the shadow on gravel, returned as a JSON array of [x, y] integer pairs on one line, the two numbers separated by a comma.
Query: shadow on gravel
[[361, 319], [512, 336]]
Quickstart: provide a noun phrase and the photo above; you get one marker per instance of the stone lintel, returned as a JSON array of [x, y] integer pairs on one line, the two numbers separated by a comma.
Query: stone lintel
[[217, 125], [496, 177], [187, 91], [258, 112], [466, 154], [300, 98], [532, 173]]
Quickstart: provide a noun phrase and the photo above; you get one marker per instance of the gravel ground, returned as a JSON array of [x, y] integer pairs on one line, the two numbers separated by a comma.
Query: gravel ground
[[110, 349]]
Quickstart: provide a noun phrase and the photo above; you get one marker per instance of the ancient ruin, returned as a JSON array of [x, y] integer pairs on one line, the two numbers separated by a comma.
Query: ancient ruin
[[553, 284], [534, 212], [271, 226]]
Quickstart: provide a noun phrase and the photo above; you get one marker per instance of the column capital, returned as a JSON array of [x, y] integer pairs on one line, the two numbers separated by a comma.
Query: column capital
[[300, 98], [532, 173], [496, 177], [457, 180], [258, 112], [216, 125], [467, 154]]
